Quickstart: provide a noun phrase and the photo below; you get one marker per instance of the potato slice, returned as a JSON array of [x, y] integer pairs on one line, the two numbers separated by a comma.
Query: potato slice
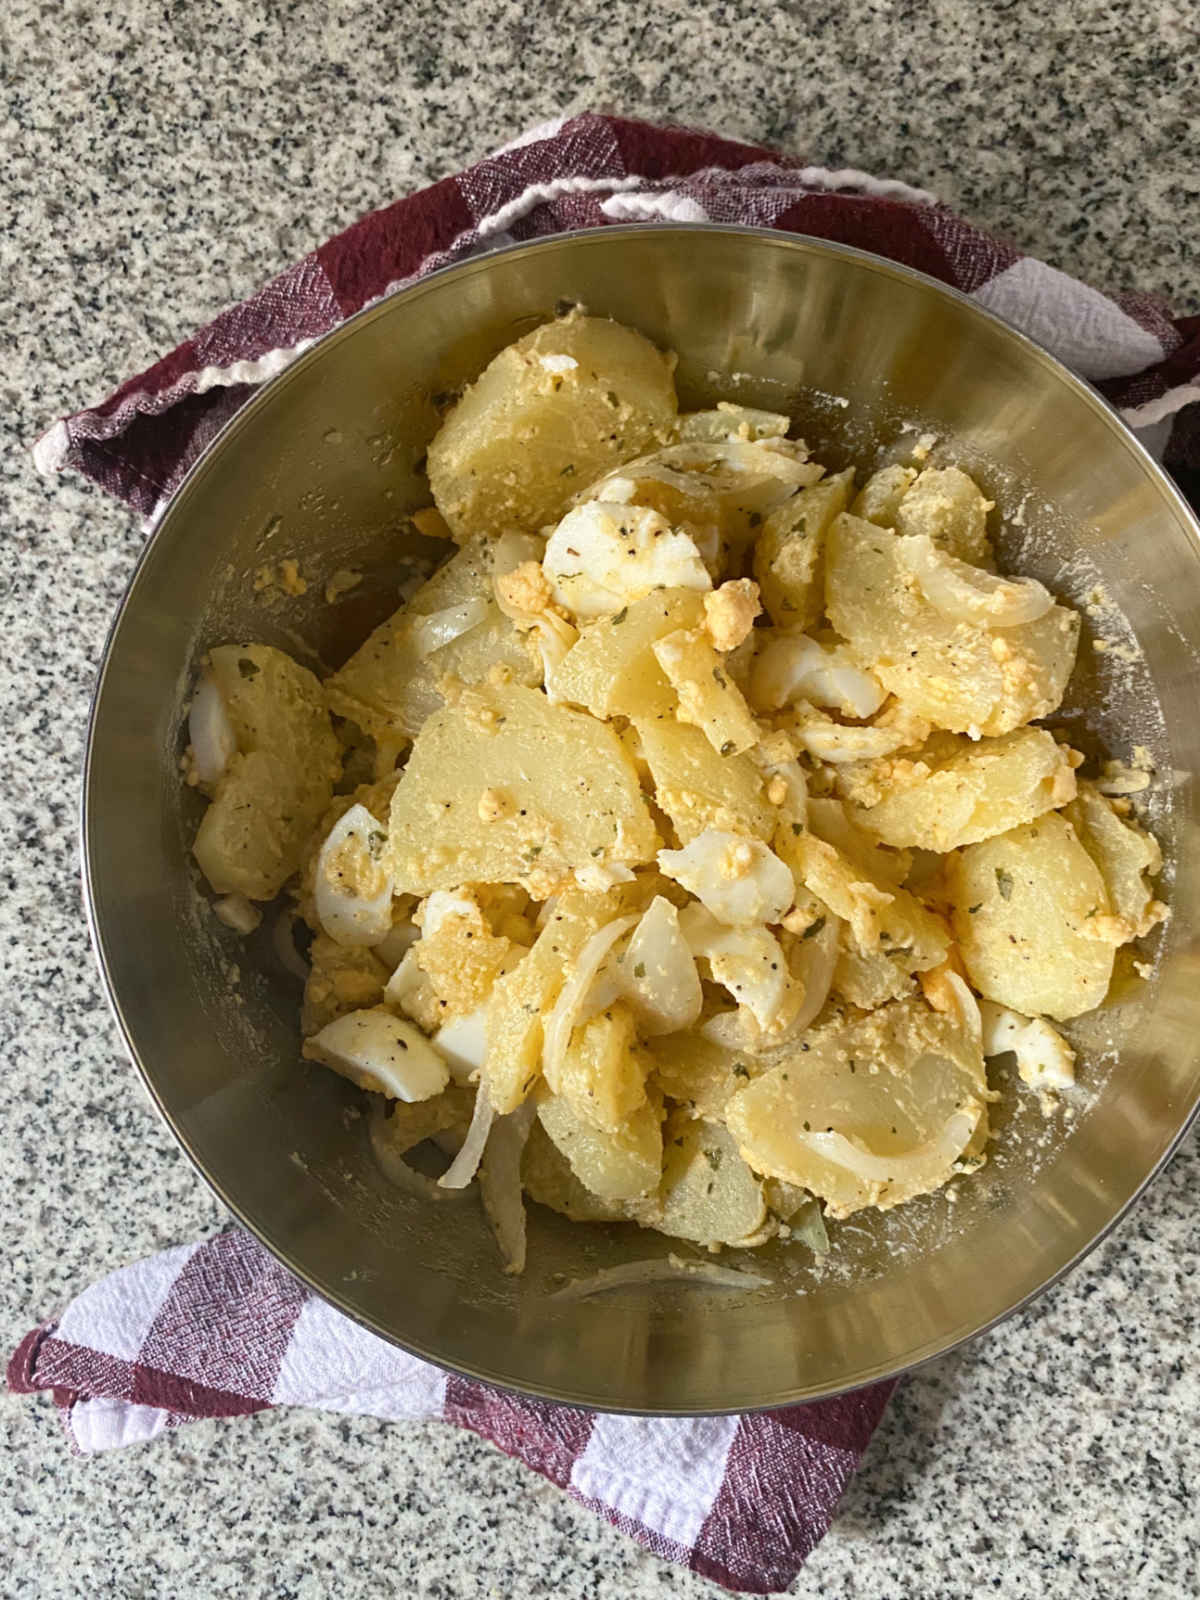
[[548, 415], [697, 1073], [878, 500], [274, 790], [522, 998], [389, 686], [622, 1165], [603, 1073], [957, 791], [949, 507], [612, 671], [876, 1111], [556, 787], [547, 1177], [960, 677], [883, 917], [1034, 920], [708, 1193], [697, 787], [789, 553], [1126, 855], [708, 697]]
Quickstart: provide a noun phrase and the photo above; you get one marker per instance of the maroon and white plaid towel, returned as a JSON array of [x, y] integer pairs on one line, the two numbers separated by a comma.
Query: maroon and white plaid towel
[[219, 1329], [586, 172]]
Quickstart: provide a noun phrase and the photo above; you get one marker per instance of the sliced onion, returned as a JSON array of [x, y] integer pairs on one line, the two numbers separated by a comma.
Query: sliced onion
[[814, 964], [964, 593], [565, 1012], [210, 731], [808, 1228], [939, 1153], [968, 1009], [466, 1163], [352, 890], [792, 666], [658, 973], [500, 1183], [284, 943], [394, 1167], [510, 549], [554, 637], [430, 633], [672, 1269]]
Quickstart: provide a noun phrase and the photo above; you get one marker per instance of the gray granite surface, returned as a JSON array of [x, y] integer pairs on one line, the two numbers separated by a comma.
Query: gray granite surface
[[161, 160]]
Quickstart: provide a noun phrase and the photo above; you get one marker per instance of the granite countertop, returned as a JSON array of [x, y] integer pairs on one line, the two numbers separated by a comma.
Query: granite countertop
[[162, 160]]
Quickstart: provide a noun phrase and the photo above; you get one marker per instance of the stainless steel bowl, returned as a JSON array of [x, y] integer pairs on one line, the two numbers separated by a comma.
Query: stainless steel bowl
[[323, 465]]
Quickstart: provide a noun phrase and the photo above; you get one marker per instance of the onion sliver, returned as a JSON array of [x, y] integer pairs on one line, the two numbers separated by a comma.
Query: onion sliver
[[814, 964], [284, 942], [500, 1183], [430, 633], [210, 731], [394, 1167], [674, 1269], [935, 1154], [466, 1163], [963, 593], [566, 1010]]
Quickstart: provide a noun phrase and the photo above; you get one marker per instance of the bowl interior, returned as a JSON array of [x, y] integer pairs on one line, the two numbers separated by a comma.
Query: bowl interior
[[324, 466]]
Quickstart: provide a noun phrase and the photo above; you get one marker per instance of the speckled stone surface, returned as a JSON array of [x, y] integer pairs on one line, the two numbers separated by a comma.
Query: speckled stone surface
[[160, 161]]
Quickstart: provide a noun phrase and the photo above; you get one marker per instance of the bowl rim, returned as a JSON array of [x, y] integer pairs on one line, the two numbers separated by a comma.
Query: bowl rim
[[804, 243]]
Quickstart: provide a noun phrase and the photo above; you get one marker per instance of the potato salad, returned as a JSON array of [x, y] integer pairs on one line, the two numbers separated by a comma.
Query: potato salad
[[681, 850]]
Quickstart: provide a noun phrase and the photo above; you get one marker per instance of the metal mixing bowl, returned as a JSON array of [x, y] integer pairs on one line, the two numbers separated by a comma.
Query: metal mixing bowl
[[323, 465]]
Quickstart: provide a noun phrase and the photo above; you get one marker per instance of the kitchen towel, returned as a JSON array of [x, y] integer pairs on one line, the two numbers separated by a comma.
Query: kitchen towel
[[586, 172], [219, 1329]]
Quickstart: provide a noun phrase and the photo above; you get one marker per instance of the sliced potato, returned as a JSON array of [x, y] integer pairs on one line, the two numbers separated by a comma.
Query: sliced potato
[[869, 980], [708, 1193], [504, 787], [957, 791], [274, 790], [1126, 855], [612, 671], [622, 1165], [882, 916], [697, 1073], [547, 1178], [698, 788], [548, 415], [876, 1111], [878, 500], [708, 698], [789, 552], [522, 998], [603, 1073], [948, 506], [389, 686], [1034, 920], [964, 678], [729, 421]]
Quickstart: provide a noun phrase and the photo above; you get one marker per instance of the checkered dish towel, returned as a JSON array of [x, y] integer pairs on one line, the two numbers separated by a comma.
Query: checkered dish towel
[[219, 1329]]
